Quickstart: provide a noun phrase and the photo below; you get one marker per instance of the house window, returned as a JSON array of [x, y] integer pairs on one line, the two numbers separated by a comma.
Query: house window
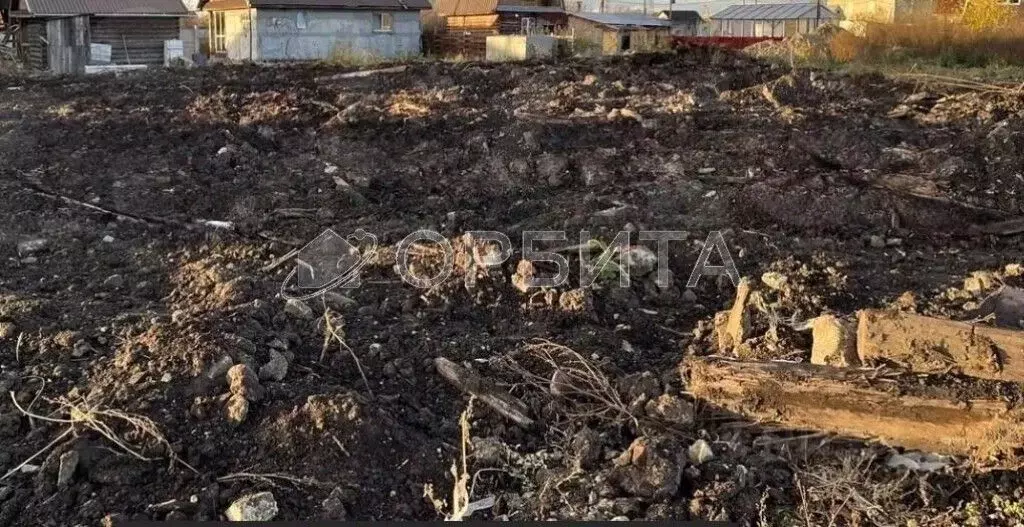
[[218, 37], [383, 22]]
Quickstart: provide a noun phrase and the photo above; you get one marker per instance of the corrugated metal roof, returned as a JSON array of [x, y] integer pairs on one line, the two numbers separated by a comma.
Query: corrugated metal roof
[[104, 7], [489, 7], [773, 12], [623, 19], [528, 9], [341, 4]]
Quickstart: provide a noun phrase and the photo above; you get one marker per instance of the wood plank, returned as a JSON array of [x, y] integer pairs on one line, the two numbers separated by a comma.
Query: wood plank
[[471, 383], [896, 409], [933, 345]]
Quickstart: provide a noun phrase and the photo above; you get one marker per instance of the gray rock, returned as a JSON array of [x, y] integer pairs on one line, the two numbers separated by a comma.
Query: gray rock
[[650, 469], [339, 302], [7, 330], [700, 452], [266, 132], [66, 470], [81, 349], [276, 368], [253, 507], [643, 385], [28, 247], [114, 281], [489, 452], [952, 168], [671, 408], [876, 241], [586, 447], [640, 259], [298, 309], [218, 369], [334, 506]]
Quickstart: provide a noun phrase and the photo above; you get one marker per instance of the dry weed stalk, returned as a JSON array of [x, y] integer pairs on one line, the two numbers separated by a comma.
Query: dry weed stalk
[[461, 507], [334, 331], [98, 419], [570, 374], [836, 495], [269, 478], [926, 79]]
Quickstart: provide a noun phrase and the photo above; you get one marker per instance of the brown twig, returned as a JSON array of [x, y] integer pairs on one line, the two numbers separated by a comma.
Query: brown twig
[[334, 331]]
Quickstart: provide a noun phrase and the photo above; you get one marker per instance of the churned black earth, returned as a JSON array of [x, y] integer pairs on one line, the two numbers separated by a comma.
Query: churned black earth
[[151, 369]]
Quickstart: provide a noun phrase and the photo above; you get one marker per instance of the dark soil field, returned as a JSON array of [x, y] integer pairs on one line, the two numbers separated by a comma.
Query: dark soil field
[[121, 316]]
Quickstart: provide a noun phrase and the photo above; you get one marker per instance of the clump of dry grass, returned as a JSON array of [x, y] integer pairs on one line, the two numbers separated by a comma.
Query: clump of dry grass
[[853, 490], [114, 425], [560, 370], [964, 43]]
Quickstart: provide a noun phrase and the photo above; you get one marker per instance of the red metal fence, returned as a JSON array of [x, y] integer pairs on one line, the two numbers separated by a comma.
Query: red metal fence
[[725, 42]]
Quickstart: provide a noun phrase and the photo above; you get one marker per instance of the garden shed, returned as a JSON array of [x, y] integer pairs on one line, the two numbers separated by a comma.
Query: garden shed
[[60, 35], [771, 20], [614, 33]]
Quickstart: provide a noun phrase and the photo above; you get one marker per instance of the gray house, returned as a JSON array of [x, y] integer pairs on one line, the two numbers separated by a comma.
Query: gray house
[[314, 29]]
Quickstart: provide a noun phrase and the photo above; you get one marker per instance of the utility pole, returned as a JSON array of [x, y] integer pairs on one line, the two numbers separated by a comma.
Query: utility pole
[[817, 14]]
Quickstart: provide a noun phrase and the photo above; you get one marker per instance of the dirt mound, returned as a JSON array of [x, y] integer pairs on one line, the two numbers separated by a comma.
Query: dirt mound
[[147, 216]]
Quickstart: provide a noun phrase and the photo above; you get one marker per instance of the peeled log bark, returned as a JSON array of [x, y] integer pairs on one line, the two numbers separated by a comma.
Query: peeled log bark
[[897, 409], [933, 345]]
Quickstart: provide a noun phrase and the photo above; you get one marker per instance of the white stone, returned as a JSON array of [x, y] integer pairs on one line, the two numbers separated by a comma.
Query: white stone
[[700, 452], [259, 507]]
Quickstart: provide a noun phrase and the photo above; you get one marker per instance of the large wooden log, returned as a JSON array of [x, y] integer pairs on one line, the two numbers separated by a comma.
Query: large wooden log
[[940, 414], [933, 345]]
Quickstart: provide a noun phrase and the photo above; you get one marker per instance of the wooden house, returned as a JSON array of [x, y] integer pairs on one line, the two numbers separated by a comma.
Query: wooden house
[[504, 17], [464, 25], [58, 35]]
